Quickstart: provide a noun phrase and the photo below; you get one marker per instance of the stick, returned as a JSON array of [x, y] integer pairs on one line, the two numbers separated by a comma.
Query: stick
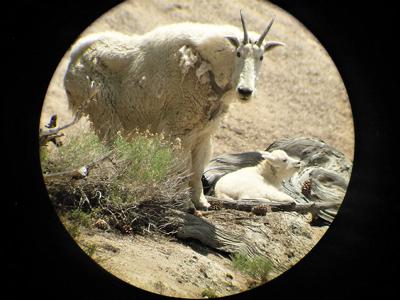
[[47, 135], [79, 172], [261, 206]]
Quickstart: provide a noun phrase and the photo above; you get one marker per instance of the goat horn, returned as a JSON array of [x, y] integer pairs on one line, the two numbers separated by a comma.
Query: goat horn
[[264, 34], [245, 35]]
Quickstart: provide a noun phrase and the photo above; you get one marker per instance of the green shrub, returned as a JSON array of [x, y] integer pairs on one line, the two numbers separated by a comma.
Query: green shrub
[[209, 293], [142, 170], [73, 219], [89, 249], [148, 157], [257, 267], [76, 152], [80, 217]]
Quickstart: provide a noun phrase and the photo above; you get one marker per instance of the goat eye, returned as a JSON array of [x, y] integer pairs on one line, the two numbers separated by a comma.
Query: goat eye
[[238, 54], [261, 57], [285, 160]]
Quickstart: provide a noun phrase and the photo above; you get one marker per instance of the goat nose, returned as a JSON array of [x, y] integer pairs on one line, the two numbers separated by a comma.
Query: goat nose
[[245, 91]]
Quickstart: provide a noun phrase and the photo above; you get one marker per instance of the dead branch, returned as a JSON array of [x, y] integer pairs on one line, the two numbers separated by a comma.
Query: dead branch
[[46, 136], [262, 206]]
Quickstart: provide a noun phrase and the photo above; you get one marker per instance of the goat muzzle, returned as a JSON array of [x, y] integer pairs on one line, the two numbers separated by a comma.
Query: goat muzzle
[[244, 92]]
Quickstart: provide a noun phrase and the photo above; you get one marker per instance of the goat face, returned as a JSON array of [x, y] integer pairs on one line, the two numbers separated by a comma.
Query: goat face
[[247, 65], [249, 56], [285, 165]]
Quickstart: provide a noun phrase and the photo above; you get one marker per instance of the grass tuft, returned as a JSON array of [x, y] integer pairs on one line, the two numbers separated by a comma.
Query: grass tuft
[[257, 267], [208, 293], [76, 152], [148, 157]]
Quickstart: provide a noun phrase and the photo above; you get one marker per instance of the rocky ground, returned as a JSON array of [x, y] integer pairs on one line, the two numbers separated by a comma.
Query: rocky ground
[[300, 93]]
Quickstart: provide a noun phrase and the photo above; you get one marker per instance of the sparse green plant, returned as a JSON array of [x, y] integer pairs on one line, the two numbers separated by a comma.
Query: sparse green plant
[[73, 228], [209, 293], [89, 249], [257, 267], [80, 217], [44, 158], [74, 153], [148, 157], [75, 218]]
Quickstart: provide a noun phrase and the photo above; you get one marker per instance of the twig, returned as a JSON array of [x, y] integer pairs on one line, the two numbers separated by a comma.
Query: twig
[[48, 135], [79, 172], [57, 130], [84, 199]]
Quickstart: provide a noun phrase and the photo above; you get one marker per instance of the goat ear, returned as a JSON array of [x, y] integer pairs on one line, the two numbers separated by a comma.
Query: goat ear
[[272, 44], [233, 40], [267, 155]]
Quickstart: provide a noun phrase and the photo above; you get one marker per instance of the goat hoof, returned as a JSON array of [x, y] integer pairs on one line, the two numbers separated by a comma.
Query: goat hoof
[[198, 213], [203, 206]]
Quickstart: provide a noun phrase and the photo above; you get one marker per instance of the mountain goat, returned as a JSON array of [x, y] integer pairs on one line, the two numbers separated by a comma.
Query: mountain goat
[[178, 79], [261, 181]]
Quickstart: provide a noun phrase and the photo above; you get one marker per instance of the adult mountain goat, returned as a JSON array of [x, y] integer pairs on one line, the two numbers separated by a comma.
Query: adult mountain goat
[[177, 79]]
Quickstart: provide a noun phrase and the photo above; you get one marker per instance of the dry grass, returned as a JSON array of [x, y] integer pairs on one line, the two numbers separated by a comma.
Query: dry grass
[[129, 191]]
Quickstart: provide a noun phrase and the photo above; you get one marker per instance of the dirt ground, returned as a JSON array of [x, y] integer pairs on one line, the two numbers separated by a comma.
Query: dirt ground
[[299, 93], [165, 266], [188, 269]]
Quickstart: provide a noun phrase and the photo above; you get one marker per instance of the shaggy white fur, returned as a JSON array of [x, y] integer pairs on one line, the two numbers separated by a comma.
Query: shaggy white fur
[[177, 79], [261, 181]]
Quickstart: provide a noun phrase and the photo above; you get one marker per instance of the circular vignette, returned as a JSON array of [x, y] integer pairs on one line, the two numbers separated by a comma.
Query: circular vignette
[[311, 122]]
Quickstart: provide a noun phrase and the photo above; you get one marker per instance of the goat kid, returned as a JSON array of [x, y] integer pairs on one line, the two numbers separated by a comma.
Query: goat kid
[[261, 181]]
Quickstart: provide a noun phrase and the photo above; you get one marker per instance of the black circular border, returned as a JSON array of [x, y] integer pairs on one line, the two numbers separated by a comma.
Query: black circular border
[[357, 254]]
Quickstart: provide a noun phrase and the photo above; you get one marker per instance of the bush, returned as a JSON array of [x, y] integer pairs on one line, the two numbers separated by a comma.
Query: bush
[[131, 189], [257, 267], [148, 157], [76, 152]]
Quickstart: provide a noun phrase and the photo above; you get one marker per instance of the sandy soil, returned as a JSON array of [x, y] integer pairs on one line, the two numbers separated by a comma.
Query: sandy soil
[[300, 93], [188, 269], [165, 266]]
